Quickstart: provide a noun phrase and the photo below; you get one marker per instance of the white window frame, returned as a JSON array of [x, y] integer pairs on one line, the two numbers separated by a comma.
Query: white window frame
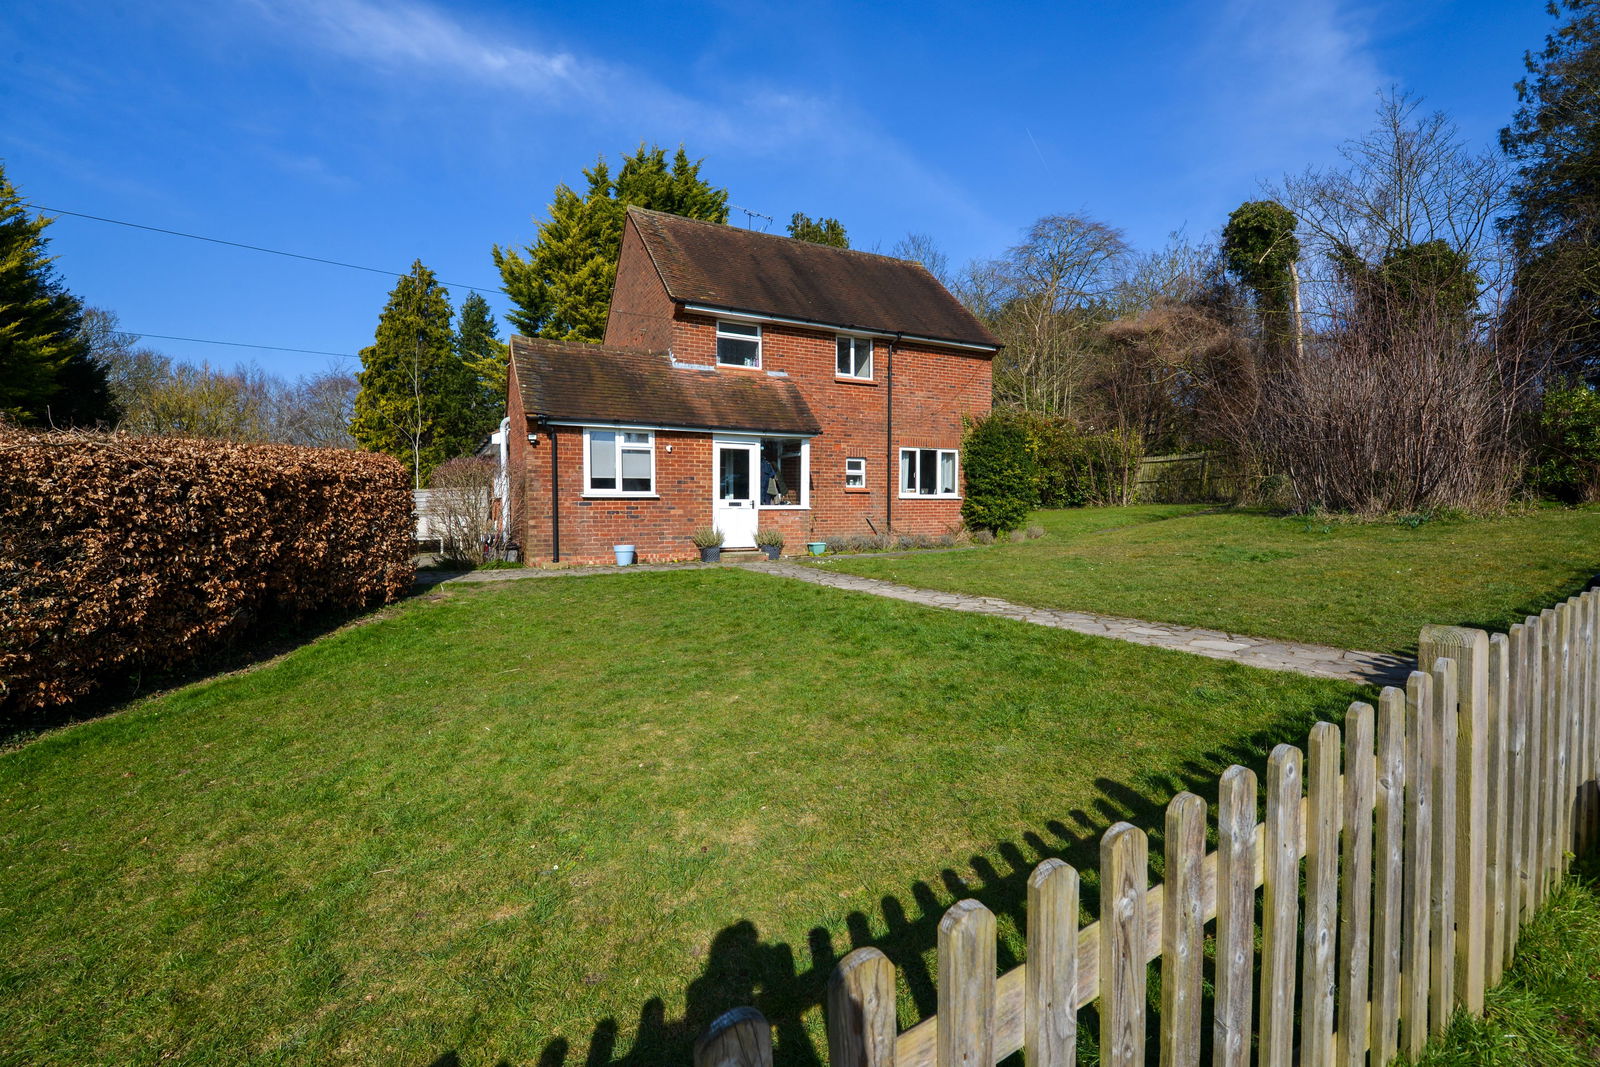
[[805, 474], [860, 473], [734, 335], [855, 357], [914, 492], [618, 445]]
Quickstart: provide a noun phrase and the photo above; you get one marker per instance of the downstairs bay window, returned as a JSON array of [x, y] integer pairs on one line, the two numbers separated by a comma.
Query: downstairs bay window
[[619, 463], [928, 472]]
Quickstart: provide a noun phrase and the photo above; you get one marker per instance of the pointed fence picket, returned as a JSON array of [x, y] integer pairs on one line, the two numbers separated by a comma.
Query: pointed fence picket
[[1393, 886]]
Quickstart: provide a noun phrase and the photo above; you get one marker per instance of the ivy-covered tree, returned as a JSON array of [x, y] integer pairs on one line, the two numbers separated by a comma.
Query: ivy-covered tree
[[47, 372], [561, 283], [1554, 226], [803, 227], [479, 347], [1260, 248], [417, 401]]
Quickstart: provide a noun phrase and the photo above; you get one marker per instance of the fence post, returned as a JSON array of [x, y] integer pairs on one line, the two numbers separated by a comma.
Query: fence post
[[1355, 886], [1236, 904], [965, 1037], [861, 1016], [1470, 650], [1280, 906], [1182, 931], [1388, 863], [1550, 837], [1416, 946], [1050, 1013], [1497, 846], [1124, 876], [1322, 893], [1442, 915], [1538, 779], [738, 1038], [1517, 882], [1563, 680]]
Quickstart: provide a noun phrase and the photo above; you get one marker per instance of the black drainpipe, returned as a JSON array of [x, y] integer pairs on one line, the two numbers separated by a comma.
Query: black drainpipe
[[555, 493], [890, 485]]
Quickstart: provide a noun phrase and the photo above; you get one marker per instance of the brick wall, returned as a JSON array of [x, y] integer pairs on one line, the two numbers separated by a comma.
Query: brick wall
[[641, 312]]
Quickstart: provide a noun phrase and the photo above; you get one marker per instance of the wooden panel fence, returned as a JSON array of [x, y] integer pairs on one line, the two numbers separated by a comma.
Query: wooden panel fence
[[1396, 861]]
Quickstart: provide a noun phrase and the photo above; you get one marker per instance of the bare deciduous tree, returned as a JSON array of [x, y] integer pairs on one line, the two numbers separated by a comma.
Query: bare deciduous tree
[[460, 508]]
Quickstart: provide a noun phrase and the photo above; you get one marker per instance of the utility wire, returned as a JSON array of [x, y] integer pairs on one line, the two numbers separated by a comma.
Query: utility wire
[[241, 344], [252, 248]]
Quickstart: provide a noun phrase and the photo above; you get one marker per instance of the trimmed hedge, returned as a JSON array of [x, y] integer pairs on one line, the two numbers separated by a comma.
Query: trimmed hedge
[[122, 554]]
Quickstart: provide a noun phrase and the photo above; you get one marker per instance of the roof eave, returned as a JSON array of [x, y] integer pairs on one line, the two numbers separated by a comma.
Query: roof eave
[[701, 306]]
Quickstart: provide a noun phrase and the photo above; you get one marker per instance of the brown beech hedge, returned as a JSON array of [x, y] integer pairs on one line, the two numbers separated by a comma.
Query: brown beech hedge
[[121, 555]]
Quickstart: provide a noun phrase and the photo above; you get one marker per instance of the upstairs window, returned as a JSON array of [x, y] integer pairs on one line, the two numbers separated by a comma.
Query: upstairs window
[[738, 344], [928, 472], [619, 462], [855, 357]]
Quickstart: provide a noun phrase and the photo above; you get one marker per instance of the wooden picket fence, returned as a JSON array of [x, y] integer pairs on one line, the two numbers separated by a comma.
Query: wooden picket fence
[[1431, 829]]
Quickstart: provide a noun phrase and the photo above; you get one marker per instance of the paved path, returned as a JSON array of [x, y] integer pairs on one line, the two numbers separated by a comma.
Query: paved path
[[1317, 660]]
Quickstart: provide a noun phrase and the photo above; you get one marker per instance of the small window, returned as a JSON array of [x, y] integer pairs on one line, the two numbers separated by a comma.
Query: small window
[[855, 357], [783, 462], [927, 472], [620, 462], [855, 473], [738, 344]]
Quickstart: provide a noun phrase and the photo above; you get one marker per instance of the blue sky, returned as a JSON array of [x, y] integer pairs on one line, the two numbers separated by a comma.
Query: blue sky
[[378, 132]]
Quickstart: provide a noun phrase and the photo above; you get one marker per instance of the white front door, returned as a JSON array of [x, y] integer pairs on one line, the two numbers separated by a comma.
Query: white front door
[[734, 508]]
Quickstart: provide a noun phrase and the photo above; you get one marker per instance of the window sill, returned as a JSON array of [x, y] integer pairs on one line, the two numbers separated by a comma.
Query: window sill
[[739, 366], [620, 496], [857, 489], [783, 507], [930, 496], [845, 379]]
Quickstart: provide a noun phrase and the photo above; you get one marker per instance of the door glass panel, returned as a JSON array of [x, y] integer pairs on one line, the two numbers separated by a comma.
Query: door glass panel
[[734, 477]]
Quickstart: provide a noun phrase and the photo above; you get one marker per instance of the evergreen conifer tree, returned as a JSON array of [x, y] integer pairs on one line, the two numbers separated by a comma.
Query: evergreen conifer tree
[[479, 347], [561, 284], [803, 227], [417, 401], [47, 373]]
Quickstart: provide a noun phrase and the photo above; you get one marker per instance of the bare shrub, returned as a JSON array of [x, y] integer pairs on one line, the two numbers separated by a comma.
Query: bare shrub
[[461, 508]]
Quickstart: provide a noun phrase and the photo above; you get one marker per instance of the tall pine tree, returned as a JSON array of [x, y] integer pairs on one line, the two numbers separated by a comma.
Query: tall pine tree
[[47, 372], [417, 401], [1554, 227], [803, 227], [479, 347], [561, 284]]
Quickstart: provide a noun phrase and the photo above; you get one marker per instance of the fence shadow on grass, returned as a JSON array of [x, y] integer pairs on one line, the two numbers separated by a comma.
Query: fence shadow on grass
[[742, 968]]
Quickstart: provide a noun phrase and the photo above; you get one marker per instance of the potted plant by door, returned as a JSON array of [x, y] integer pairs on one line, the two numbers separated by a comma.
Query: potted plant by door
[[770, 542], [708, 539]]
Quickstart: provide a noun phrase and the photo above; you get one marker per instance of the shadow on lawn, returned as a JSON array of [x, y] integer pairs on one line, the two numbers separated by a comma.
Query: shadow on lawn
[[786, 982]]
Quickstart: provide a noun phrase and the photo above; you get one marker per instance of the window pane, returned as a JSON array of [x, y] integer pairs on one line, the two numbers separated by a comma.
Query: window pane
[[635, 438], [844, 362], [855, 473], [863, 359], [738, 353], [635, 470], [740, 328], [602, 459], [908, 471], [928, 474], [947, 472]]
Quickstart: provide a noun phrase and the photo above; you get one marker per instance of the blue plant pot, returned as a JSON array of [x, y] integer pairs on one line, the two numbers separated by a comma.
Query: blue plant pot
[[624, 554], [816, 548]]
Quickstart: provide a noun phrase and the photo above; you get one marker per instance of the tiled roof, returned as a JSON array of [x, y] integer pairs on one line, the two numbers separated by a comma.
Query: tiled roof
[[583, 382], [763, 273]]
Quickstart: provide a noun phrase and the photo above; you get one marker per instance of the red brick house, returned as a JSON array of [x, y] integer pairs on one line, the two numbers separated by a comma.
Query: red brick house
[[746, 381]]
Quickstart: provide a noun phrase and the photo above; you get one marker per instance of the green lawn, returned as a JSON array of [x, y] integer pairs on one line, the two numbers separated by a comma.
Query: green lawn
[[1368, 586], [569, 821]]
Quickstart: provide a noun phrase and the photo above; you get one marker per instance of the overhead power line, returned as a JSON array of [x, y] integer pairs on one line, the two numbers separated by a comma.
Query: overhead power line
[[241, 344], [253, 248]]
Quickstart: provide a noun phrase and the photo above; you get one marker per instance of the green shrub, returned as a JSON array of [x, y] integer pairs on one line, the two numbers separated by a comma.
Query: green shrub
[[1001, 479], [1075, 468], [1566, 463]]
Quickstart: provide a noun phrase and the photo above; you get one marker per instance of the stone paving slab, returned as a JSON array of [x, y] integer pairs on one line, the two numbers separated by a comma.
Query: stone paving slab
[[1316, 660]]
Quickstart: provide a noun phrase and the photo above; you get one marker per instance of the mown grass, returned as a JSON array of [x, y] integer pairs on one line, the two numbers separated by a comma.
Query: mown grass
[[564, 821], [1369, 586], [1546, 1012]]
